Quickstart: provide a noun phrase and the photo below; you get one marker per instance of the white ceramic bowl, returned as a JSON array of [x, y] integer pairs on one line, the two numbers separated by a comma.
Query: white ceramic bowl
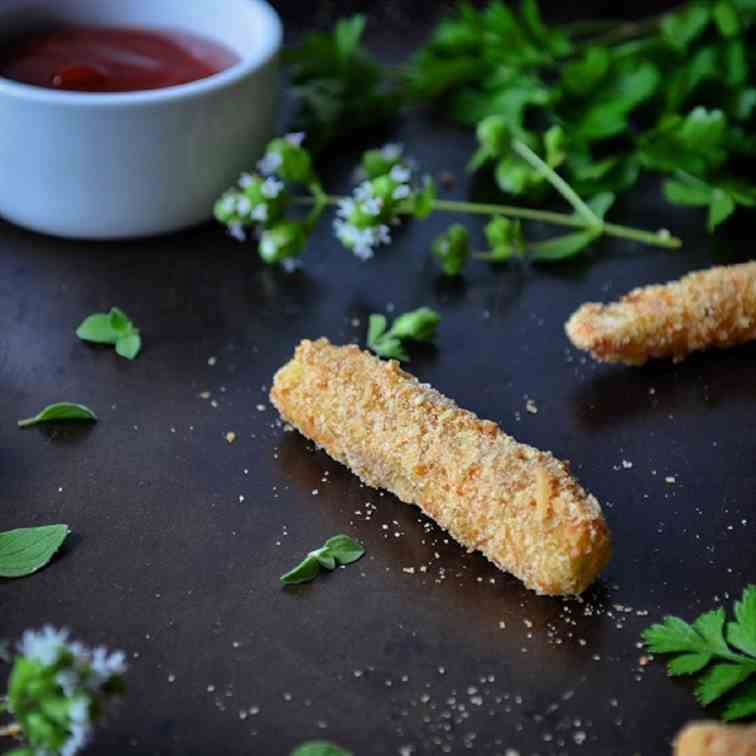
[[106, 166]]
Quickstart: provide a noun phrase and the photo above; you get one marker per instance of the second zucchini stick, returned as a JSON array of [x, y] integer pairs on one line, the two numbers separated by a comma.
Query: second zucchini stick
[[709, 308], [716, 739], [519, 506]]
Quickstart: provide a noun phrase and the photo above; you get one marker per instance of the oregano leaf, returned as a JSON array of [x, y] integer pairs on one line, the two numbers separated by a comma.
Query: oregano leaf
[[57, 412], [26, 550]]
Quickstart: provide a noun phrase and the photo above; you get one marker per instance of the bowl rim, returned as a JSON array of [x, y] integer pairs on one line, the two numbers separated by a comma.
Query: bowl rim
[[259, 55]]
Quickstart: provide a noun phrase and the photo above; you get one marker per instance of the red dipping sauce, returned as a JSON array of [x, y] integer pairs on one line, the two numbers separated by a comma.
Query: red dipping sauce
[[112, 59]]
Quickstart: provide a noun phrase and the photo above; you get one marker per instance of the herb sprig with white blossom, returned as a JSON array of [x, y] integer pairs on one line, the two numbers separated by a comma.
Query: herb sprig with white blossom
[[723, 653], [390, 189], [58, 691]]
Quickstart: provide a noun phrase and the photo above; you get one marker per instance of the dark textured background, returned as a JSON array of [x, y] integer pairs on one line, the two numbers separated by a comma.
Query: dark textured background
[[168, 562]]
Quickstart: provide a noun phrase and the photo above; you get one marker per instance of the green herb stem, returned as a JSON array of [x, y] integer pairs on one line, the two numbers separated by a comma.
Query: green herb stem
[[653, 238], [557, 182]]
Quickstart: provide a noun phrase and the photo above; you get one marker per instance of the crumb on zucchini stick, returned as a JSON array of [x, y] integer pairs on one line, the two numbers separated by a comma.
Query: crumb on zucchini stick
[[715, 739], [519, 506], [709, 308]]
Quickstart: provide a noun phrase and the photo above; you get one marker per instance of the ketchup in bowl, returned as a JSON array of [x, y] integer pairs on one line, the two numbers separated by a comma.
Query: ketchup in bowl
[[112, 59]]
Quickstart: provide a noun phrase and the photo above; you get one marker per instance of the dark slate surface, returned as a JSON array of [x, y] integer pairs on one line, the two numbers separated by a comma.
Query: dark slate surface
[[170, 563]]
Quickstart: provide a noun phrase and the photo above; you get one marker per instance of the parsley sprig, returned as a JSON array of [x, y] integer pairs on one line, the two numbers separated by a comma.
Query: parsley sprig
[[673, 95], [338, 85], [599, 102], [708, 644]]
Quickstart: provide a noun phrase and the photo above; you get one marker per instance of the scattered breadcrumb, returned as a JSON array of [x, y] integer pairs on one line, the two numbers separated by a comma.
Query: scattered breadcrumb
[[230, 437]]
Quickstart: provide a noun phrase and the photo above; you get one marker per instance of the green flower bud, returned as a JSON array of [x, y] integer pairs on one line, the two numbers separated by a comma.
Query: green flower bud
[[380, 162], [505, 237], [282, 241], [285, 157], [383, 187], [225, 210], [452, 249]]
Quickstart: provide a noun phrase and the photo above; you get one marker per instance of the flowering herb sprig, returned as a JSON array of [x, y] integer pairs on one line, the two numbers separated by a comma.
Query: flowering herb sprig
[[389, 189], [261, 201], [58, 690]]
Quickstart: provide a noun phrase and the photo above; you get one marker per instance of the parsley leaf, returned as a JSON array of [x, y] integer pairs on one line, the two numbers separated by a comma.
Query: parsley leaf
[[742, 632], [721, 199], [505, 238], [26, 550], [54, 413], [709, 639], [339, 87], [338, 550], [114, 328], [452, 250], [416, 325]]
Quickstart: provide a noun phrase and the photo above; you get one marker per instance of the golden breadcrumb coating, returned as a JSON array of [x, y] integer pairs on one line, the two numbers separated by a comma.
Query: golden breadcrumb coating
[[715, 739], [519, 506], [709, 308]]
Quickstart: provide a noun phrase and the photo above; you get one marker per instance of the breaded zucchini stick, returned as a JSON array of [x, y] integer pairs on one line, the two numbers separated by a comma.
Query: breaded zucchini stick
[[519, 506], [715, 739], [709, 308]]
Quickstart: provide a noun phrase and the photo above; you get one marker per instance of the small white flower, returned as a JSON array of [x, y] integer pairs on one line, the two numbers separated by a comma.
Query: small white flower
[[68, 681], [106, 665], [372, 206], [237, 231], [401, 192], [270, 163], [228, 204], [383, 234], [364, 243], [399, 174], [243, 205], [245, 180], [392, 151], [268, 246], [78, 711], [364, 191], [78, 738], [260, 213], [346, 208], [271, 188], [43, 646], [80, 651], [296, 138], [345, 232]]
